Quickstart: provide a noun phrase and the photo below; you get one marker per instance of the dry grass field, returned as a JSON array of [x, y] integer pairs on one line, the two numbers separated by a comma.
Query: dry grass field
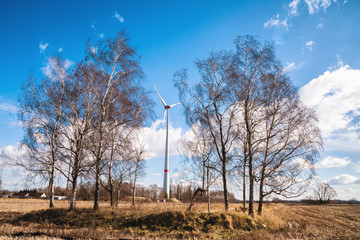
[[30, 219]]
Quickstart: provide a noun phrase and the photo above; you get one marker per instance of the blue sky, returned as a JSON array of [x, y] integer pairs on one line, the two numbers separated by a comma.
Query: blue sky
[[317, 41]]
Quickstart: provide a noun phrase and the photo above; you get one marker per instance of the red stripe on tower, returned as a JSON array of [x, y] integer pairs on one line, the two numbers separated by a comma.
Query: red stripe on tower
[[166, 170]]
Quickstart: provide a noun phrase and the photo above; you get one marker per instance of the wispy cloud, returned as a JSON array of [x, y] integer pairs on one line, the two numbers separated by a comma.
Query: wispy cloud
[[8, 107], [92, 26], [61, 49], [333, 162], [309, 45], [43, 47], [315, 5], [290, 66], [118, 17], [293, 6], [101, 35], [156, 174], [320, 26], [276, 22], [53, 71]]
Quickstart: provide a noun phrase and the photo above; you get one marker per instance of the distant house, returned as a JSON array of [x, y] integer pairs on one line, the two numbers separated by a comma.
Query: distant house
[[29, 194]]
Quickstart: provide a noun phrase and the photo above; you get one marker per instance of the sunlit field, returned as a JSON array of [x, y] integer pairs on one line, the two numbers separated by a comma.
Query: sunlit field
[[30, 219]]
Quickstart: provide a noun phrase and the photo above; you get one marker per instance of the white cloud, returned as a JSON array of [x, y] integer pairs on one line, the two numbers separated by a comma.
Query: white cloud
[[16, 124], [320, 26], [11, 152], [92, 26], [357, 167], [61, 49], [276, 22], [43, 47], [315, 5], [289, 67], [154, 139], [293, 7], [333, 162], [340, 63], [343, 179], [51, 69], [156, 174], [8, 107], [118, 17], [301, 163], [336, 99], [101, 35], [309, 45]]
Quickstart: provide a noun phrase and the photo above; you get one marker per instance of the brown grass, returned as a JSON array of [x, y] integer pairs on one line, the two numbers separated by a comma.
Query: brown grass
[[30, 219]]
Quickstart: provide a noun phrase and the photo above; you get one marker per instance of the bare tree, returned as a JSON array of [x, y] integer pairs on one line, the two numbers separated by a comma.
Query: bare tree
[[119, 98], [253, 60], [323, 192], [137, 165], [290, 139], [78, 113], [117, 164], [198, 153], [40, 110], [210, 103], [277, 129]]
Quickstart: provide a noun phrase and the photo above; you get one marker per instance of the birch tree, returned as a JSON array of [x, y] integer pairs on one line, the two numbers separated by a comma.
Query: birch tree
[[118, 95], [253, 60], [78, 113], [198, 153], [290, 139], [210, 103], [41, 112]]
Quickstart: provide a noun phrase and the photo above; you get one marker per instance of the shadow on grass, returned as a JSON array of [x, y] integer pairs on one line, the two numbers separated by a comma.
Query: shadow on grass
[[171, 221]]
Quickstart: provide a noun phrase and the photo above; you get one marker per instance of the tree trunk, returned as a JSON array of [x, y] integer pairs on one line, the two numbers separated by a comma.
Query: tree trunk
[[111, 193], [193, 198], [97, 186], [117, 196], [208, 188], [51, 186], [226, 201], [251, 188], [244, 185], [261, 195], [73, 193], [250, 159], [75, 175], [133, 196], [134, 188]]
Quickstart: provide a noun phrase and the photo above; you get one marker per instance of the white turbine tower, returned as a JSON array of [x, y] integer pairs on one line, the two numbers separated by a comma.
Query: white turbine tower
[[166, 169]]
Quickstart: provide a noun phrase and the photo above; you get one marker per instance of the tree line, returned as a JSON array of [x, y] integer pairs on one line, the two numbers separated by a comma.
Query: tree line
[[248, 124]]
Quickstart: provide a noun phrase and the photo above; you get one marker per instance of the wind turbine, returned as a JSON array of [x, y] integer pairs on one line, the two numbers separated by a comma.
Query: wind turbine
[[166, 169]]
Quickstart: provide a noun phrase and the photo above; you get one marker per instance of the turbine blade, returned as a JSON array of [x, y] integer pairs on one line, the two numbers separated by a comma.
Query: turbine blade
[[162, 100], [164, 119], [175, 104]]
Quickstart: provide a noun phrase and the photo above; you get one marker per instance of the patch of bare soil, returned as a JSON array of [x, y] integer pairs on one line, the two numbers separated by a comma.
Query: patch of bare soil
[[320, 221]]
